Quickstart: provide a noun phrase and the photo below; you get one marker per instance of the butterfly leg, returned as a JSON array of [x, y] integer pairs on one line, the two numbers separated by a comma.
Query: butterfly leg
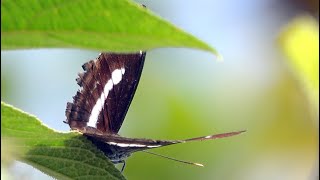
[[124, 165]]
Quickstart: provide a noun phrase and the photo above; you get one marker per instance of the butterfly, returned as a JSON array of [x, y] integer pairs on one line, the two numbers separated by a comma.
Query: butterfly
[[107, 87]]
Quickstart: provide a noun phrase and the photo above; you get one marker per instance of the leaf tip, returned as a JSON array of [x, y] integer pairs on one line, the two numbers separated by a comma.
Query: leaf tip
[[220, 58]]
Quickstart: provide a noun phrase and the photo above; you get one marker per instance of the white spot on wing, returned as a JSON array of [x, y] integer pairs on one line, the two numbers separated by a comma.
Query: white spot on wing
[[95, 113], [207, 137], [123, 70], [107, 88], [116, 77], [152, 146], [126, 145]]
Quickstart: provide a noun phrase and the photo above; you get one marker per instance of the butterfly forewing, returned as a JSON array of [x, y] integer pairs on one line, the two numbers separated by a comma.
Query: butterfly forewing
[[107, 88], [130, 67]]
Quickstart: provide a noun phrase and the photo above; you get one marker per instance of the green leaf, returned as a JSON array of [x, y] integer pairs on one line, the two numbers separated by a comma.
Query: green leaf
[[110, 25], [299, 41], [61, 155]]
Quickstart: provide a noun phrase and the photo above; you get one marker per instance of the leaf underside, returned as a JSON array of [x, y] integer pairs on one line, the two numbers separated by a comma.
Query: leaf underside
[[113, 25], [60, 155]]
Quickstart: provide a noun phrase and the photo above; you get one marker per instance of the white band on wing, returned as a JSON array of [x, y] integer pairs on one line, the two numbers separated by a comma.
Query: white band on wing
[[116, 77], [132, 145]]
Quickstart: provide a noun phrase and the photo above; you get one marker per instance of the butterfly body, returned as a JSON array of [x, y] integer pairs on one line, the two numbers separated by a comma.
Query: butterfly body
[[115, 153], [118, 148]]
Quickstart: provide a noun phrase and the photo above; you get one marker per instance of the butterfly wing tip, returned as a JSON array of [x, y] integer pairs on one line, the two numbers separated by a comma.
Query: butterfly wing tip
[[236, 133], [243, 131], [198, 164]]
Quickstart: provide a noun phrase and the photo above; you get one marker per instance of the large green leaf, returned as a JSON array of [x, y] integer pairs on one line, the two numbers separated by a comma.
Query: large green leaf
[[112, 25], [61, 155]]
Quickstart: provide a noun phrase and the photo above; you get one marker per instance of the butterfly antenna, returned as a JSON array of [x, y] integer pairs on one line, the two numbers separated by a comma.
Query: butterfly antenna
[[186, 162]]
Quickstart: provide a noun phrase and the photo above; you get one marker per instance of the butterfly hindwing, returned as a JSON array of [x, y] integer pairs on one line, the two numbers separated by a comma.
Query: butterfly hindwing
[[117, 148]]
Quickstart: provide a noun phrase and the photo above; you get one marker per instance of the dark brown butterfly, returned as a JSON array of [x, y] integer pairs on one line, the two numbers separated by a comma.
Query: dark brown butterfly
[[107, 87]]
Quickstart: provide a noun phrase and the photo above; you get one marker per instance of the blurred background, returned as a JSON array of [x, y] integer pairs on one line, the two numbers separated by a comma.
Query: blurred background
[[185, 93]]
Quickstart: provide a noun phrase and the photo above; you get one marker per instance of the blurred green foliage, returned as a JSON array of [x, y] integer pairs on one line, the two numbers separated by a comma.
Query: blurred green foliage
[[300, 43]]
